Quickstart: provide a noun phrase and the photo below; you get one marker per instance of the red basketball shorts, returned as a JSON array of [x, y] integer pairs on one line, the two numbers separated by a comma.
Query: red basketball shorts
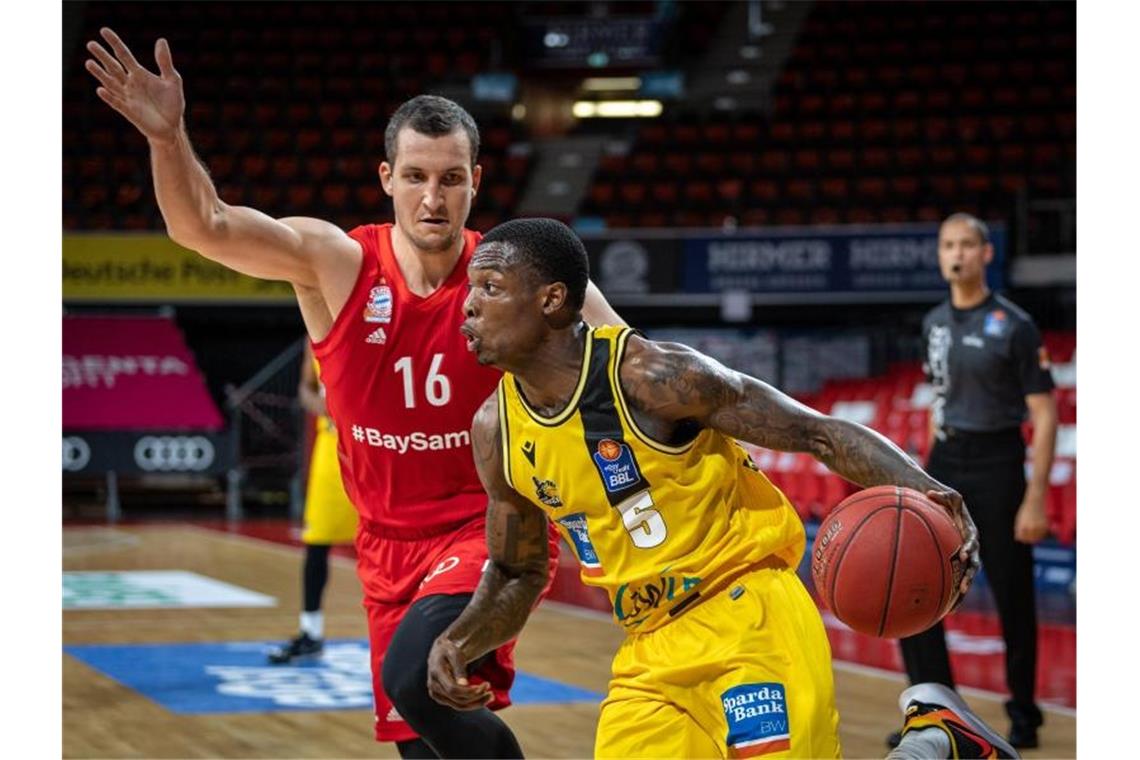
[[397, 571]]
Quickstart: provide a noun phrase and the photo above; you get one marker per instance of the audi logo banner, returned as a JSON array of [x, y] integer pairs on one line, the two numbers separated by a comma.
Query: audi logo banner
[[174, 453], [146, 453]]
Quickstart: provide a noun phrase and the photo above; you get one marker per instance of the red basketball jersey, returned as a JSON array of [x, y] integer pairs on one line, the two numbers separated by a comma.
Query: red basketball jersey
[[402, 388]]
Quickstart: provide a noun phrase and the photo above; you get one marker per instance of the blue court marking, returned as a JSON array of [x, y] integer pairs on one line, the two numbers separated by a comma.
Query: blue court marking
[[233, 677]]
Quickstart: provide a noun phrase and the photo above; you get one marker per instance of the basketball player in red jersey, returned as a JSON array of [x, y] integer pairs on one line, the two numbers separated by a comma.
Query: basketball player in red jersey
[[382, 305]]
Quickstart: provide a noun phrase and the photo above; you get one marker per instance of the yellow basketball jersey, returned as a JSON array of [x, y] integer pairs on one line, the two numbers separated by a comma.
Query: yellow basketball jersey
[[324, 422], [657, 526]]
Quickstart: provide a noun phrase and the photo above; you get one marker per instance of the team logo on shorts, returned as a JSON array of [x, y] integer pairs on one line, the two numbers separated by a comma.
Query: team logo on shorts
[[547, 492], [995, 323], [379, 306], [757, 717], [616, 464], [579, 533]]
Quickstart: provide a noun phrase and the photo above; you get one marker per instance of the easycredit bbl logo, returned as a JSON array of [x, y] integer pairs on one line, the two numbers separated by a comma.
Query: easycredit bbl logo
[[757, 717], [615, 462]]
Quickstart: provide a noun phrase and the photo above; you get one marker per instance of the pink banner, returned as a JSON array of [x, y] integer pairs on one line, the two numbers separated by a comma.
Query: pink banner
[[132, 373]]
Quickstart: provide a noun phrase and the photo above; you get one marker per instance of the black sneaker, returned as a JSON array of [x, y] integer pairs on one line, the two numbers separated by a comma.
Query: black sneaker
[[298, 650], [1023, 737], [1024, 722], [933, 706]]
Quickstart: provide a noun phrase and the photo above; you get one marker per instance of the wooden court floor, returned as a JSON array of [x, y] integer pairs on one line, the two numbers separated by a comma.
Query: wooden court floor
[[104, 719]]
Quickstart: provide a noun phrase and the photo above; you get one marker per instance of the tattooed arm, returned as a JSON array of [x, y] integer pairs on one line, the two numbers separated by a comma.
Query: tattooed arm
[[672, 387], [517, 545]]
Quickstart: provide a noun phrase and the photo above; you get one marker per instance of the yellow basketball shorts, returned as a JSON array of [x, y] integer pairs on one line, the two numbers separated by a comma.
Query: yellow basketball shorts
[[746, 673], [330, 517]]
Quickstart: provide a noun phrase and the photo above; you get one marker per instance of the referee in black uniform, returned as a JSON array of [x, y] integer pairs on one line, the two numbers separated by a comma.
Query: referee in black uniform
[[986, 362]]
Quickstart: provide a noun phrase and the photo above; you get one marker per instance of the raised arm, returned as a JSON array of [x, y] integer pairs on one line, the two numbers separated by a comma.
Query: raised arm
[[518, 551], [672, 382], [596, 310], [304, 251]]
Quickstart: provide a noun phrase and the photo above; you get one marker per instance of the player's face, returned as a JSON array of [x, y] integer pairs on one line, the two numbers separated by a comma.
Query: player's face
[[504, 309], [962, 254], [432, 184]]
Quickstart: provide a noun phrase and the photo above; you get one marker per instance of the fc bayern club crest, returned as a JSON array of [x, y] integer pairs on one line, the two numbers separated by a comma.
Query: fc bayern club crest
[[379, 306]]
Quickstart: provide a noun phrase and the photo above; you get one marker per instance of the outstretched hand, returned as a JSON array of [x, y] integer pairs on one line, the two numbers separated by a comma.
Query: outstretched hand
[[952, 500], [154, 104]]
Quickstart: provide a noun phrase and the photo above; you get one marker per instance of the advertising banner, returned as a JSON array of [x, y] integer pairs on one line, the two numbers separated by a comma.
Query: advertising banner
[[132, 373], [169, 452], [872, 261], [152, 268], [634, 264]]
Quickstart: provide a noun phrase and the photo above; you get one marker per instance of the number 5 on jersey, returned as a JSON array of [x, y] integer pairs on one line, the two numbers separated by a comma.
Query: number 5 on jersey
[[437, 388], [645, 525]]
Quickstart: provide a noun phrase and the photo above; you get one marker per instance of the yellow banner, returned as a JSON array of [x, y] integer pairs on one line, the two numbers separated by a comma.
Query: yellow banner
[[154, 268]]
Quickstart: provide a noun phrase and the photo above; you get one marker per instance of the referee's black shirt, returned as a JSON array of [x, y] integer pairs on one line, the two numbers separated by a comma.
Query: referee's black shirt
[[982, 362]]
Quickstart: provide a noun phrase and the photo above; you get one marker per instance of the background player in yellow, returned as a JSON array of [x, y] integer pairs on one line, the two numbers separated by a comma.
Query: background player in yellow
[[629, 446], [329, 518]]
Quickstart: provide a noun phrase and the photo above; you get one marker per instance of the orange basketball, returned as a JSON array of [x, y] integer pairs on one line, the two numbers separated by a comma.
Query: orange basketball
[[885, 562]]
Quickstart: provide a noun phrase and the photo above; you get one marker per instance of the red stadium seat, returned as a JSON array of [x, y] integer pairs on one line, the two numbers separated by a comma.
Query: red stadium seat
[[710, 163], [679, 163], [783, 132], [729, 190], [905, 186], [825, 215], [944, 156], [775, 161], [801, 190], [632, 193], [602, 193], [645, 164], [699, 192], [842, 130], [1011, 156], [841, 159], [807, 160], [834, 188]]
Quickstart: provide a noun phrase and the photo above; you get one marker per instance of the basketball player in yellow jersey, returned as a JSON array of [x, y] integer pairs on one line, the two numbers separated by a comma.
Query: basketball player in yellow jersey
[[329, 519], [629, 447]]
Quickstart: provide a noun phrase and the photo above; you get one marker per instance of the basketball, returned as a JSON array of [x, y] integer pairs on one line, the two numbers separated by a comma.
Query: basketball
[[885, 561]]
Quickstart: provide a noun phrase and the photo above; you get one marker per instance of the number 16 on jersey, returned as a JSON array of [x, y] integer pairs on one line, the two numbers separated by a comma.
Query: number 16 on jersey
[[437, 388]]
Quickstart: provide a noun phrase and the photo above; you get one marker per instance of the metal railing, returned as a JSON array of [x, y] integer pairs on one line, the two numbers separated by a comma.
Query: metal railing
[[267, 431]]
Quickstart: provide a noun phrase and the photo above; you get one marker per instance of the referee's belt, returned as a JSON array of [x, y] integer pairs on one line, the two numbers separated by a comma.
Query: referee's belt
[[948, 433]]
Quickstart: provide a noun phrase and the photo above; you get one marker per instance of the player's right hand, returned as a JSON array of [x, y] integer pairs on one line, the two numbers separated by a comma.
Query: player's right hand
[[154, 104], [447, 678], [968, 555]]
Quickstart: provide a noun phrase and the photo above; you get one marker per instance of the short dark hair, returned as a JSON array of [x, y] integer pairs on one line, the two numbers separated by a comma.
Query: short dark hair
[[550, 250], [433, 116], [979, 226]]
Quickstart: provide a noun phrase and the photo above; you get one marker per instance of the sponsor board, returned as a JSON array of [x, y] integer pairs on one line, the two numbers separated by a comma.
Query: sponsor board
[[150, 589], [129, 453], [234, 677], [146, 267], [872, 259], [121, 373]]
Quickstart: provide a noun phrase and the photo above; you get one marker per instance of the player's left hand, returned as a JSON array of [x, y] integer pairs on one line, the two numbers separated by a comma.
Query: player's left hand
[[447, 678], [1031, 524], [954, 504]]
